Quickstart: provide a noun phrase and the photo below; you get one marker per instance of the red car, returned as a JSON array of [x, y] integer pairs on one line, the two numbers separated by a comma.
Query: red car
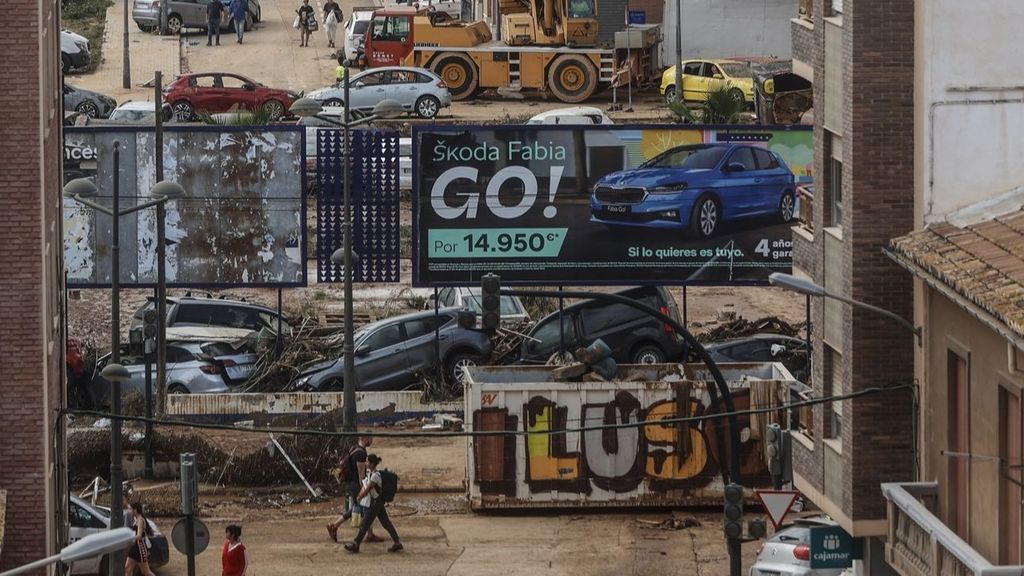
[[218, 92]]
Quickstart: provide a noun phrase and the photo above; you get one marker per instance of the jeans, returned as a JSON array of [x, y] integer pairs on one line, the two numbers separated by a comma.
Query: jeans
[[377, 510], [240, 28], [212, 29]]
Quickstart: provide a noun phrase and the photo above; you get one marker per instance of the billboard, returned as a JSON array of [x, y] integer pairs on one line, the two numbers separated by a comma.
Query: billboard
[[607, 205], [242, 224]]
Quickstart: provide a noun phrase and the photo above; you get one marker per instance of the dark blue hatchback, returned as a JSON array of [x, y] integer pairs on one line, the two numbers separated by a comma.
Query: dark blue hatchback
[[697, 187]]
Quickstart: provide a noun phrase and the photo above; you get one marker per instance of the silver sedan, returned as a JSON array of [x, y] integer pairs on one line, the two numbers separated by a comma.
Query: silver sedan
[[419, 91]]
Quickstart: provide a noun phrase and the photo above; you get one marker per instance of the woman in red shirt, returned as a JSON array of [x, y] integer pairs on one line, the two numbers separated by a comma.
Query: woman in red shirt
[[234, 559]]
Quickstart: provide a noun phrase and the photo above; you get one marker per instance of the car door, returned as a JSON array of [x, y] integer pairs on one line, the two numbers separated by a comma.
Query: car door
[[381, 362], [773, 181], [404, 87], [420, 344], [712, 78], [206, 95], [193, 12], [367, 89], [237, 91], [545, 340], [739, 191], [692, 80], [83, 523]]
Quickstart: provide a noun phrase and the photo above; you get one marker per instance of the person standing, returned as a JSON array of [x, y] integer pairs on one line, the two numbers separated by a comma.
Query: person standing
[[340, 70], [239, 8], [332, 17], [138, 552], [355, 464], [234, 559], [307, 22], [214, 10], [376, 508]]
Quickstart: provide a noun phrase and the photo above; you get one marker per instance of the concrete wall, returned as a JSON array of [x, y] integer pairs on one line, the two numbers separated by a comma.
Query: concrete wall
[[32, 337], [724, 28], [949, 327], [968, 152]]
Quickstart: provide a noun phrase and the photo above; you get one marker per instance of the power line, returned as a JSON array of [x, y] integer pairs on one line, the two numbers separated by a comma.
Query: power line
[[492, 433]]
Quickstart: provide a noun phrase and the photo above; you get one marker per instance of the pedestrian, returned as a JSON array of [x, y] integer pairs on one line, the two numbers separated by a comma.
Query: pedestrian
[[138, 552], [354, 467], [306, 21], [332, 17], [214, 9], [239, 8], [234, 559], [340, 70], [376, 508]]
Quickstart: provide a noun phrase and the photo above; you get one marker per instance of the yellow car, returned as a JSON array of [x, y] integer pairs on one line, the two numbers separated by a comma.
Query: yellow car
[[703, 76]]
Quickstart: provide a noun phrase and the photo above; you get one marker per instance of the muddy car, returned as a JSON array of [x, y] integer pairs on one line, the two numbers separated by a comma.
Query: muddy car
[[780, 96]]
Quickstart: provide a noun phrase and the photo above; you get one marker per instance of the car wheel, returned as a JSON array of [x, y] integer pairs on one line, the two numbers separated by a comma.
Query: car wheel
[[737, 95], [177, 389], [147, 28], [427, 107], [457, 363], [706, 217], [648, 354], [174, 23], [332, 385], [274, 108], [65, 64], [183, 110], [787, 206], [670, 94], [333, 102], [89, 108]]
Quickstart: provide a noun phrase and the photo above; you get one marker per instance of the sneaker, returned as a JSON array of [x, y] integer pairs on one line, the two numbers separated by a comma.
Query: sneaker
[[352, 547], [208, 44], [396, 547], [332, 531]]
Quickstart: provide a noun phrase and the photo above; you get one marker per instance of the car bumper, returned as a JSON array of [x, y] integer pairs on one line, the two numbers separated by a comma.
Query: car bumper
[[657, 211], [79, 59], [779, 570], [146, 17]]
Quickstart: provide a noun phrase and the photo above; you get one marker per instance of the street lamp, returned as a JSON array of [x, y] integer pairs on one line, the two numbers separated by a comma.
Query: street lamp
[[809, 288], [84, 191], [309, 108], [89, 546]]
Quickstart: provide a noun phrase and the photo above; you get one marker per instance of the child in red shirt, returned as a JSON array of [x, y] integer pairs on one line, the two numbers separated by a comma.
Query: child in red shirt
[[234, 559]]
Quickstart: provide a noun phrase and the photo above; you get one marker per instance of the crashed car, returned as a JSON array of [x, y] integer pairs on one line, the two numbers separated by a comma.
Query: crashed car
[[392, 354], [780, 96]]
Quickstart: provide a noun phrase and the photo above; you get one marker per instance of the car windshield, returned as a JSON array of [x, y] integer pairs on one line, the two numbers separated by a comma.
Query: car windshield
[[581, 8], [689, 157], [792, 535], [508, 305], [736, 70], [361, 26]]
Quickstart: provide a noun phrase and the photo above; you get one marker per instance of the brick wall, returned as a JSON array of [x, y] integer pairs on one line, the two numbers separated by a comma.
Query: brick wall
[[803, 42], [31, 341]]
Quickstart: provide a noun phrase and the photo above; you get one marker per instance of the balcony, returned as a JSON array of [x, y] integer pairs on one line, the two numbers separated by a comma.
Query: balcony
[[919, 544]]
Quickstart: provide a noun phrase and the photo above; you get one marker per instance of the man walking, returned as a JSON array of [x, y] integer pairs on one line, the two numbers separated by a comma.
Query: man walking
[[238, 11], [355, 472], [213, 13], [332, 17], [372, 499]]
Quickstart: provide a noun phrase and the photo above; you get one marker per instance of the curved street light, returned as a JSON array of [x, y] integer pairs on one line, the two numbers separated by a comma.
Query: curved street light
[[96, 544]]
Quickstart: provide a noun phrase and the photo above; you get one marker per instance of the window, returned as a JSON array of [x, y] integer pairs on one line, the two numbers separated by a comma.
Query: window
[[1012, 454], [202, 81], [404, 77], [745, 157], [548, 336], [835, 192], [176, 354], [692, 68], [581, 8], [386, 336], [603, 318], [446, 297], [233, 82], [710, 70], [81, 518], [374, 79], [691, 157], [765, 159], [391, 28], [424, 326], [507, 304], [958, 442], [737, 70], [360, 27]]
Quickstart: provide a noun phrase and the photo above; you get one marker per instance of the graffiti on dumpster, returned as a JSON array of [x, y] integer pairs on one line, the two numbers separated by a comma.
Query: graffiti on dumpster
[[614, 457]]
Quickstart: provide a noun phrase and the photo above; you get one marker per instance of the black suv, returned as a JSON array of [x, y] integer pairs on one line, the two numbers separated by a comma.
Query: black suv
[[634, 336]]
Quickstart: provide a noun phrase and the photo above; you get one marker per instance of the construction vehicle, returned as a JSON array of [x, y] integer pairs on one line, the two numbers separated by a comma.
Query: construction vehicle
[[548, 45]]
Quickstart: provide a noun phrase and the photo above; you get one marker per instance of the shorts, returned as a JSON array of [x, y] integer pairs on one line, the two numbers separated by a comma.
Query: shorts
[[139, 552]]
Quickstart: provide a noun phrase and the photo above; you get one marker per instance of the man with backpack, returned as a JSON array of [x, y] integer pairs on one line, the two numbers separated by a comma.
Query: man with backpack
[[353, 471], [378, 489]]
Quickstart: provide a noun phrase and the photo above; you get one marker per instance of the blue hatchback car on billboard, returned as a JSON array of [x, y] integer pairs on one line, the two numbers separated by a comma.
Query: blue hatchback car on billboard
[[697, 187]]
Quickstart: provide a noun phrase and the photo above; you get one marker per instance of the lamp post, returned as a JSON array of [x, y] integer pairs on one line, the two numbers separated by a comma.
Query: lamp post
[[309, 108], [89, 546], [808, 287], [84, 191]]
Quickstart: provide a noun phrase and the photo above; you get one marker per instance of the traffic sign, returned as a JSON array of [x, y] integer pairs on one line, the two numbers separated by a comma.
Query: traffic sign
[[179, 535], [777, 503]]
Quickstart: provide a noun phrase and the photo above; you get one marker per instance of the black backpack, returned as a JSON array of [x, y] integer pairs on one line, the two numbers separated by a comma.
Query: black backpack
[[349, 471], [388, 485]]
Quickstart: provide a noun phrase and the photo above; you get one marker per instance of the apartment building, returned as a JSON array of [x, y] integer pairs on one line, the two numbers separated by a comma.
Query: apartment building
[[860, 56], [31, 285]]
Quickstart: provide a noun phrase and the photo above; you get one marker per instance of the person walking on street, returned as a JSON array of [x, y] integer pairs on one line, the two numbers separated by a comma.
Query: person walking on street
[[355, 470], [138, 553], [340, 70], [238, 12], [307, 22], [213, 13], [332, 17], [234, 559], [370, 497]]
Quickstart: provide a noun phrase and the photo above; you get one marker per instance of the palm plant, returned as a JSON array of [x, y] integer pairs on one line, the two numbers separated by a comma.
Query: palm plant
[[718, 107], [236, 117]]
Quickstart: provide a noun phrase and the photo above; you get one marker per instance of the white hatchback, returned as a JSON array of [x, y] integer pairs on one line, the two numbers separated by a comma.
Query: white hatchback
[[419, 91]]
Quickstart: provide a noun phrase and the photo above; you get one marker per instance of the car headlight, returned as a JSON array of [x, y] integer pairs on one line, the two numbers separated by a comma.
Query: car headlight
[[301, 382], [83, 46], [668, 188]]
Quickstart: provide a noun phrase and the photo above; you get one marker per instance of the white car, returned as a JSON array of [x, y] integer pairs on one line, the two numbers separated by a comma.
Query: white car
[[355, 30], [419, 91], [513, 313], [314, 125], [74, 51], [87, 519], [788, 552], [132, 112], [572, 115], [451, 7]]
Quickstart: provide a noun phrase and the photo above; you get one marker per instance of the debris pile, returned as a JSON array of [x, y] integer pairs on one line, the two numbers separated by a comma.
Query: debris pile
[[741, 328]]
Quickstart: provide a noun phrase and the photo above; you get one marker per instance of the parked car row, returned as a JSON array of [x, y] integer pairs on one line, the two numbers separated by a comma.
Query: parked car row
[[183, 14]]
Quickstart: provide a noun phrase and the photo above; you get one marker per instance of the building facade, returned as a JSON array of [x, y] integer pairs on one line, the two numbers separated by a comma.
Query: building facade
[[859, 55], [31, 285]]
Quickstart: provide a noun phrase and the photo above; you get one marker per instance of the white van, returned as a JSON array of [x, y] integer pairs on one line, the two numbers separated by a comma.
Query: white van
[[355, 30], [74, 51]]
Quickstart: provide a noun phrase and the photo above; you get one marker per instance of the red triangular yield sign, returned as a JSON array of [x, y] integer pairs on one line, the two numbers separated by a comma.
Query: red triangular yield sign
[[777, 503]]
